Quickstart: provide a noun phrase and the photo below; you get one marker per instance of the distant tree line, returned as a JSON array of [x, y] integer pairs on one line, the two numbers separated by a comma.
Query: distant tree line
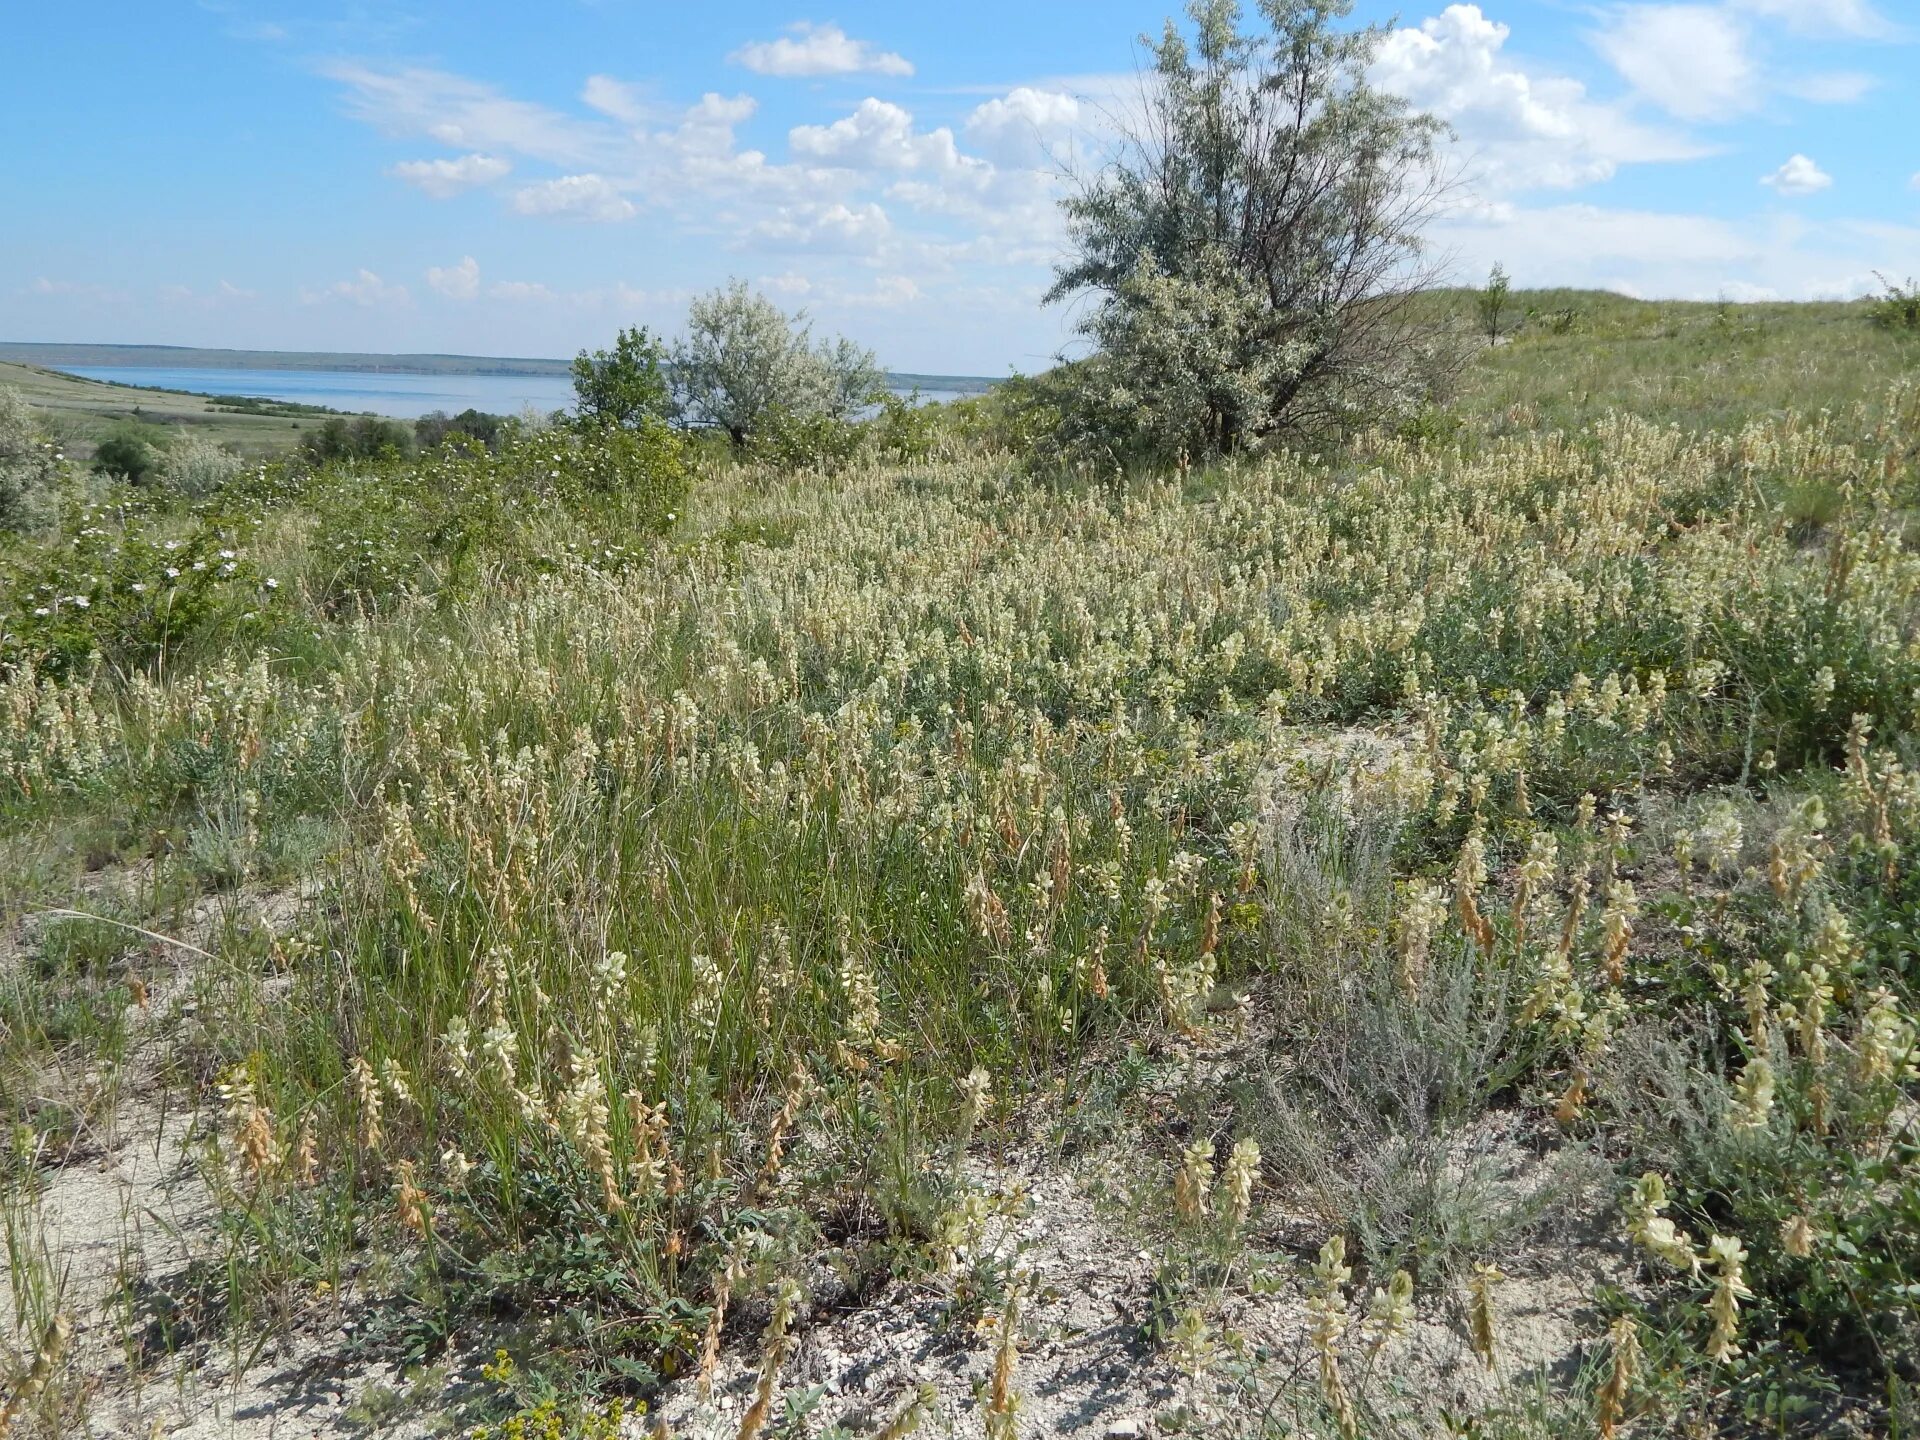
[[372, 437]]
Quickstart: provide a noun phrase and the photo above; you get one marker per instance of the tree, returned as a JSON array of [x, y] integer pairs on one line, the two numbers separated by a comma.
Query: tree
[[28, 473], [744, 361], [1252, 248], [1492, 303], [434, 427], [625, 385], [126, 455], [365, 437]]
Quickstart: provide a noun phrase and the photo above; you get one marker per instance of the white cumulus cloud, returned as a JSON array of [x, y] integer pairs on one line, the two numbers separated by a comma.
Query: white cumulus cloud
[[1799, 176], [456, 282], [442, 178], [365, 289], [812, 50], [877, 136], [1023, 126], [838, 228], [575, 197], [1691, 60], [1516, 129]]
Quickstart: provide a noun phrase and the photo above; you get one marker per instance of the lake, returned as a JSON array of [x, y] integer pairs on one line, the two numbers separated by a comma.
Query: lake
[[383, 392]]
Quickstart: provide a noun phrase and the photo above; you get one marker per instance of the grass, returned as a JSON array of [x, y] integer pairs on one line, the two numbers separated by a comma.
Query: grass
[[82, 411], [687, 905]]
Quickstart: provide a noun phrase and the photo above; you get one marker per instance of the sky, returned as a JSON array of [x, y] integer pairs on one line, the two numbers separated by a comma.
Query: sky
[[474, 177]]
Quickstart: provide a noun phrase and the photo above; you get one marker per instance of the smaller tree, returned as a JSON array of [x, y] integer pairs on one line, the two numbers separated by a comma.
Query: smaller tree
[[744, 362], [435, 427], [28, 475], [1492, 303], [625, 385], [126, 455], [365, 437]]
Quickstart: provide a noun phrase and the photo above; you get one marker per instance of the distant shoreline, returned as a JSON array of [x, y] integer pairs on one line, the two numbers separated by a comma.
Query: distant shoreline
[[54, 356]]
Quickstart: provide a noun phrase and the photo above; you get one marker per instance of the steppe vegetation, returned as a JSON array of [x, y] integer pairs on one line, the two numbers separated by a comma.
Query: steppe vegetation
[[583, 918]]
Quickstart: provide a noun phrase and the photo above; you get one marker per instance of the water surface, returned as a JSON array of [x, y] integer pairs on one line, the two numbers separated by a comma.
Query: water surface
[[382, 392]]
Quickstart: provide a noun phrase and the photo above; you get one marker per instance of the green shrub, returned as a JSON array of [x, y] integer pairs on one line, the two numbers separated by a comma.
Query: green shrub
[[906, 429], [790, 441], [430, 524], [126, 454], [197, 466], [1897, 307], [366, 437], [28, 471], [128, 594], [434, 428]]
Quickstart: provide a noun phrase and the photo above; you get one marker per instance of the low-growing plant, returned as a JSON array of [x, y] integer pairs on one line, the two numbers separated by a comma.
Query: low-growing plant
[[29, 471], [1897, 306]]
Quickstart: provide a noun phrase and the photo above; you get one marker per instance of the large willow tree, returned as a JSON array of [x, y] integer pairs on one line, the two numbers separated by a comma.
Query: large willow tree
[[1252, 250]]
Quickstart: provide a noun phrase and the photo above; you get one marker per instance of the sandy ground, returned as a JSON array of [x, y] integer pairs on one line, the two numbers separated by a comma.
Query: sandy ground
[[131, 1225]]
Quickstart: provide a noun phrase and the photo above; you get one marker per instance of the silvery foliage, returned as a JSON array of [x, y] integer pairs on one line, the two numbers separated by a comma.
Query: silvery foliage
[[1252, 246], [29, 479], [744, 361], [197, 465]]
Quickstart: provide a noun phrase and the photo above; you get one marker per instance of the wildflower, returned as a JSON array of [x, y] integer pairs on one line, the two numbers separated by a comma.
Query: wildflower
[[367, 1091], [415, 1211], [1730, 1288], [1480, 1312], [1887, 1039], [1652, 1231], [46, 1359], [1195, 1180], [1753, 1096], [1623, 1340], [1823, 685], [1617, 927], [776, 1346], [306, 1155], [1469, 874], [1798, 1236], [1816, 994], [1720, 835], [1326, 1323], [1192, 1343], [975, 1090], [456, 1044], [1422, 911], [583, 1115], [798, 1087], [1390, 1313], [1243, 1169]]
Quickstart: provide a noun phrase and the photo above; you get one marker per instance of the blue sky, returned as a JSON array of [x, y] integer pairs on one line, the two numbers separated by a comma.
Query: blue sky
[[523, 178]]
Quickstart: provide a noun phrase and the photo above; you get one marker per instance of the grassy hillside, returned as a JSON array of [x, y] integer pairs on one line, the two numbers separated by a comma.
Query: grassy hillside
[[81, 410], [1413, 940]]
